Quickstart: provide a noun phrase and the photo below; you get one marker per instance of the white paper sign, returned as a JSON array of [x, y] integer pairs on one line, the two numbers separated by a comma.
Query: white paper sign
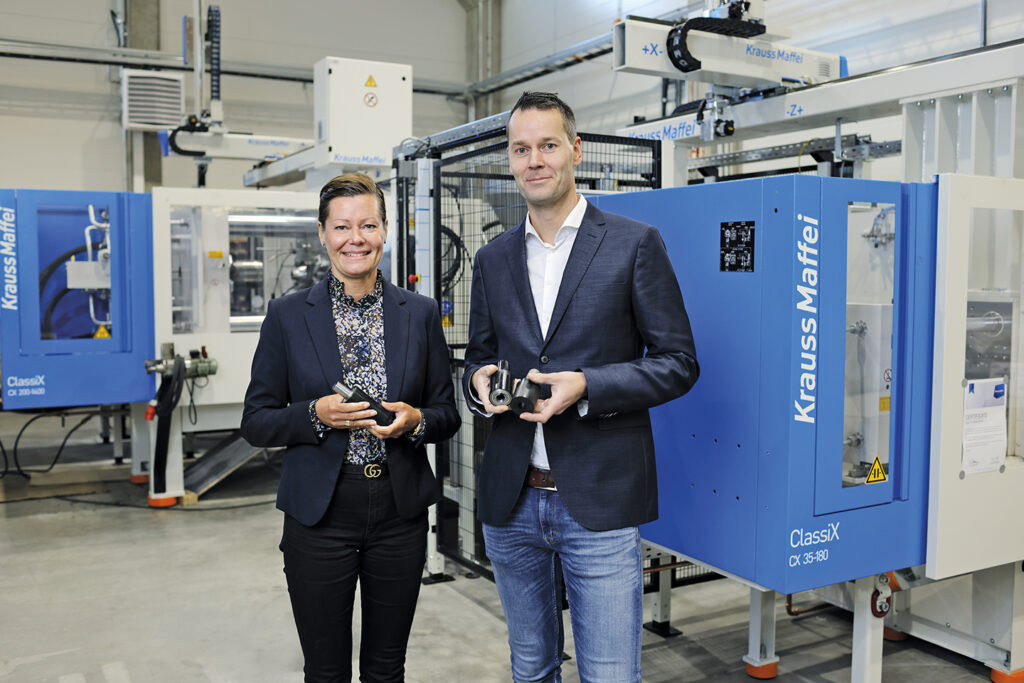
[[984, 447]]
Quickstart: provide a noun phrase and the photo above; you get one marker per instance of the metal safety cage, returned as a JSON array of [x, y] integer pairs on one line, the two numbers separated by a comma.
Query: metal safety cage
[[471, 200]]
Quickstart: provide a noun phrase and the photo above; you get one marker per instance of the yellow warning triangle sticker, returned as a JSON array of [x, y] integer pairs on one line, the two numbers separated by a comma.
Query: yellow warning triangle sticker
[[370, 83], [102, 333], [876, 475]]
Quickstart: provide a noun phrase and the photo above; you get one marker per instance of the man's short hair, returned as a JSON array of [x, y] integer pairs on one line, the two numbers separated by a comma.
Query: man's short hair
[[350, 185], [546, 101]]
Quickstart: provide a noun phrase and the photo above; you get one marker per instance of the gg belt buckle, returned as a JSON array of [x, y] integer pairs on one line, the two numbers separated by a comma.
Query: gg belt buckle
[[371, 470]]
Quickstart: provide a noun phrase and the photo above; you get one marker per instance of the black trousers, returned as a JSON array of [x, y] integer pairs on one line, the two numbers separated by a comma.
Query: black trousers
[[361, 538]]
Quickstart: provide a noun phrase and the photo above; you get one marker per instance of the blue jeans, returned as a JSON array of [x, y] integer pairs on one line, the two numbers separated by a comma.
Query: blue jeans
[[603, 582]]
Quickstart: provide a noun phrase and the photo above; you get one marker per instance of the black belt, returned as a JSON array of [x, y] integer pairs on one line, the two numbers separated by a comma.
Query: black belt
[[371, 470], [539, 479]]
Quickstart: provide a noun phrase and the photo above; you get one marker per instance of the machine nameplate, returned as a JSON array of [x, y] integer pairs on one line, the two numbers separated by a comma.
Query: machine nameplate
[[26, 386], [803, 538]]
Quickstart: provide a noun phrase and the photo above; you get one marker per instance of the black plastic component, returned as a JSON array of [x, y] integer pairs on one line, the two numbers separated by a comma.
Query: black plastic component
[[524, 398], [724, 127], [737, 8], [384, 417], [680, 55], [213, 35], [501, 385]]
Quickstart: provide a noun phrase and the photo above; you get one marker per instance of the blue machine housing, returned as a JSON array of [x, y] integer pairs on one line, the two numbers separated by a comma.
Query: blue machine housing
[[750, 460], [70, 365]]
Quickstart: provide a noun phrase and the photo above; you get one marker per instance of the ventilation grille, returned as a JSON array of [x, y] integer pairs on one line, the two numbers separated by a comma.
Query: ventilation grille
[[151, 100], [824, 69]]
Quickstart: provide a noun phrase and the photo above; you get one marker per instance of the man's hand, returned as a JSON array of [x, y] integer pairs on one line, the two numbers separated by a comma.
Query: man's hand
[[334, 412], [406, 420], [566, 389], [481, 382]]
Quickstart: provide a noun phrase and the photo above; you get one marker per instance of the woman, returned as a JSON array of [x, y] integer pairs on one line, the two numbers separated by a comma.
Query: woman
[[354, 493]]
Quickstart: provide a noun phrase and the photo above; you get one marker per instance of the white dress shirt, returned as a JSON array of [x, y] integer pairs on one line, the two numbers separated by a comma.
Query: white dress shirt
[[545, 264]]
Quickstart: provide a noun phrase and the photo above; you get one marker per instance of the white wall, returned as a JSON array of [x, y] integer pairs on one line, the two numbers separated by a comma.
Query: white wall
[[872, 34], [60, 122], [602, 100]]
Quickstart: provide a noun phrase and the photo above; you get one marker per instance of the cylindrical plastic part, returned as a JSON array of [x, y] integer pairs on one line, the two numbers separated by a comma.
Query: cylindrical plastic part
[[524, 398], [501, 385]]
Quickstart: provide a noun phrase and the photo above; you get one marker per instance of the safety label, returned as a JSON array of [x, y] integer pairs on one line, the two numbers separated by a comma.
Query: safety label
[[370, 99], [370, 83], [876, 475]]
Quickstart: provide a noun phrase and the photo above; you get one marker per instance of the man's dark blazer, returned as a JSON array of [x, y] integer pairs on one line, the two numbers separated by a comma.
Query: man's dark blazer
[[297, 360], [618, 297]]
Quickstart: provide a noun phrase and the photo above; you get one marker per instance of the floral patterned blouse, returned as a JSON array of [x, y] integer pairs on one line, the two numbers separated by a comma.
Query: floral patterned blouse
[[360, 329]]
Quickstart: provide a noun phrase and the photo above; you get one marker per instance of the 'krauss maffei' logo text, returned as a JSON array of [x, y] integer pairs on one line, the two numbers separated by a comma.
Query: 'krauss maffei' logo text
[[774, 54], [9, 256], [807, 306]]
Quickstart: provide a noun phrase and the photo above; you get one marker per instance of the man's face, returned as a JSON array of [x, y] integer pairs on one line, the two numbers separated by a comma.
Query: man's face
[[542, 157]]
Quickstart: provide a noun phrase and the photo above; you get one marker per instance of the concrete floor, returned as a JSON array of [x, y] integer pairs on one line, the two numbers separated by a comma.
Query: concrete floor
[[94, 590]]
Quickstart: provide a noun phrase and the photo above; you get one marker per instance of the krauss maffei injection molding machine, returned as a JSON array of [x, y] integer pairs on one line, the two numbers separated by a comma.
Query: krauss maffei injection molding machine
[[857, 417], [104, 291], [77, 281], [769, 490]]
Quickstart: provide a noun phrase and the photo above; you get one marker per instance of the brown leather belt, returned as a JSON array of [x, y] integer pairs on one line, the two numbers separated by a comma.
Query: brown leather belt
[[539, 479]]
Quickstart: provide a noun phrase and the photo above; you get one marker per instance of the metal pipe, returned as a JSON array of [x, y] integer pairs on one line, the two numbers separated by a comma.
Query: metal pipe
[[197, 57], [154, 59], [794, 612], [983, 22]]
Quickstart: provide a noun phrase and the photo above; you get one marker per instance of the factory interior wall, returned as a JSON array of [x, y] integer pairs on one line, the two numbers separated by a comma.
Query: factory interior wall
[[60, 122], [871, 34]]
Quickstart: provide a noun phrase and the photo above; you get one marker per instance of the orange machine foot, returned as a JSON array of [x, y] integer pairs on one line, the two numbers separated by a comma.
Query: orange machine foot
[[1001, 677], [139, 478], [892, 635], [764, 671], [162, 502]]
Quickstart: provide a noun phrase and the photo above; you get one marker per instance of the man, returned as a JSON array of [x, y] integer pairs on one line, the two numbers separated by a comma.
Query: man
[[579, 295]]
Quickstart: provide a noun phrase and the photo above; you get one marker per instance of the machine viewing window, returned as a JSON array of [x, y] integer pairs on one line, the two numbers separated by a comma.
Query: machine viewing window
[[992, 348], [871, 243], [271, 252], [74, 272]]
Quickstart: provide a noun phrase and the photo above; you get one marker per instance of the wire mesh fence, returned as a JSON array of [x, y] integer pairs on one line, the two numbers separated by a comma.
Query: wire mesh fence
[[475, 199]]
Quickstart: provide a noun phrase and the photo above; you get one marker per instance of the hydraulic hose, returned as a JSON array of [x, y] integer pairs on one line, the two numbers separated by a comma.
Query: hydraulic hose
[[167, 397]]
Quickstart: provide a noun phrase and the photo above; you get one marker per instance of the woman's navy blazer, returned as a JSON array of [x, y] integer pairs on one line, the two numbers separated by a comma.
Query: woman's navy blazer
[[297, 360]]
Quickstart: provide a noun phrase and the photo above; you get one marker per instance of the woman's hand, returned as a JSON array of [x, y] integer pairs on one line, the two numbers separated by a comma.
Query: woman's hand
[[334, 412], [406, 420]]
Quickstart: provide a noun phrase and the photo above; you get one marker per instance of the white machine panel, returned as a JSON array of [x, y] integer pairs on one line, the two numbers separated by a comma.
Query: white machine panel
[[361, 110], [639, 47], [973, 510], [198, 284]]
